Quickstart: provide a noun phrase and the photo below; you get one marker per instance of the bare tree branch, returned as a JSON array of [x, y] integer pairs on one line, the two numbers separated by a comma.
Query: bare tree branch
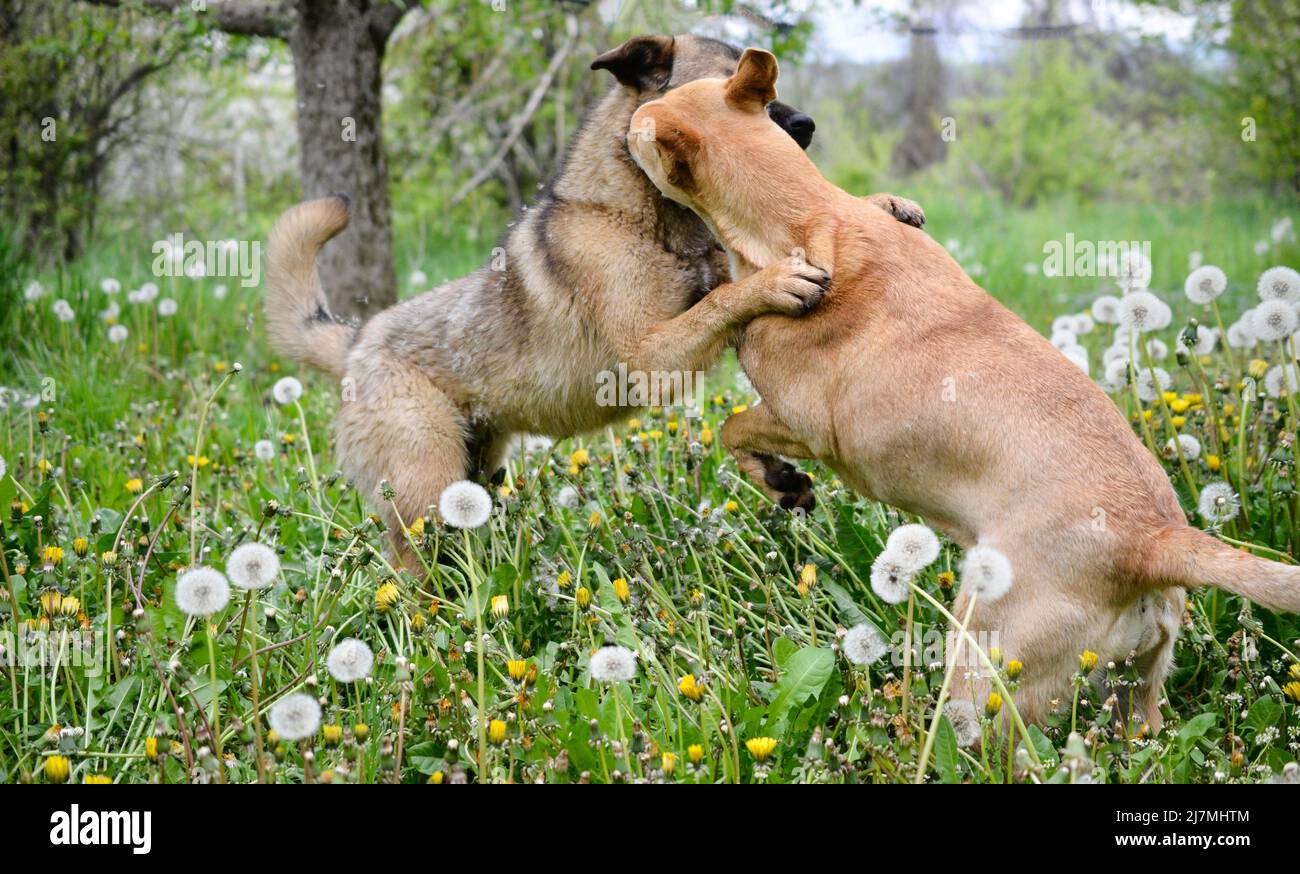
[[525, 115], [385, 16], [242, 17]]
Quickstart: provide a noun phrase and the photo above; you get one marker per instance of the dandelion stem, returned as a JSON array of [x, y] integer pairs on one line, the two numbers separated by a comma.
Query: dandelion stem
[[924, 762], [194, 464]]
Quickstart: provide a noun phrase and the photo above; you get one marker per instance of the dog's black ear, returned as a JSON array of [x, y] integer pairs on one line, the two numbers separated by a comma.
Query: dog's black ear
[[643, 62], [754, 84]]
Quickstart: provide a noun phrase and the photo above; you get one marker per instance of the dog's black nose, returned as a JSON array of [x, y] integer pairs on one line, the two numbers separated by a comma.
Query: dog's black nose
[[801, 124]]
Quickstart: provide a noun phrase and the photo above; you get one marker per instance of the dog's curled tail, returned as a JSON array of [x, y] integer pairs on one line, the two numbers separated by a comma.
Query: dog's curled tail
[[1189, 557], [297, 318]]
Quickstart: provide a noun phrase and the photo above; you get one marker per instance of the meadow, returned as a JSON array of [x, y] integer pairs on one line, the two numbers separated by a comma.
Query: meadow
[[147, 432]]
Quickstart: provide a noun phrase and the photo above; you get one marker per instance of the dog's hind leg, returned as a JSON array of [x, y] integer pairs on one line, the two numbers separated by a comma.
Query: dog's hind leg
[[757, 439], [399, 427]]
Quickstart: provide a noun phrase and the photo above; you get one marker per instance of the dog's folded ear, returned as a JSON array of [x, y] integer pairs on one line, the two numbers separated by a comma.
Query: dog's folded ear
[[643, 62], [753, 86]]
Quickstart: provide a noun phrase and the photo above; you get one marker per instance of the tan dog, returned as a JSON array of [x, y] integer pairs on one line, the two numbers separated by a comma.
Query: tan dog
[[602, 271], [922, 391]]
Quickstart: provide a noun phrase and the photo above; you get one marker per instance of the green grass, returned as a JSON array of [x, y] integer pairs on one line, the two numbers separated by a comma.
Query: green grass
[[712, 569]]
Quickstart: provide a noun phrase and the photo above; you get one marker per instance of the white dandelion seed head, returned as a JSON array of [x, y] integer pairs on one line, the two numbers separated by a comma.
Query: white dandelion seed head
[[1240, 336], [146, 293], [264, 449], [1131, 269], [418, 278], [986, 572], [1273, 320], [1279, 283], [34, 291], [1281, 229], [110, 286], [1273, 380], [1078, 355], [295, 717], [1064, 337], [1142, 311], [286, 390], [219, 292], [1157, 349], [63, 311], [913, 546], [965, 722], [1261, 247], [613, 664], [1116, 375], [1206, 341], [1191, 447], [1083, 324], [167, 307], [253, 566], [117, 334], [1119, 351], [863, 645], [1063, 323], [535, 444], [1105, 309], [1204, 284], [196, 270], [1194, 260], [568, 498], [465, 504], [1218, 503], [202, 591], [112, 312], [350, 660], [3, 468], [1151, 383], [891, 578]]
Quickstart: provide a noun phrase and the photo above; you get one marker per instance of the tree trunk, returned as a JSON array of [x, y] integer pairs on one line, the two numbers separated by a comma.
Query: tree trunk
[[338, 52], [922, 143]]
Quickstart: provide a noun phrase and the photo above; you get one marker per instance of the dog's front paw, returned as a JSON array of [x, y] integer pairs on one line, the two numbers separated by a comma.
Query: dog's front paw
[[794, 486], [908, 212], [792, 287]]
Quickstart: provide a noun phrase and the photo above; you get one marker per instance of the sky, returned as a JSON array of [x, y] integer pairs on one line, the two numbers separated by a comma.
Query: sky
[[866, 32]]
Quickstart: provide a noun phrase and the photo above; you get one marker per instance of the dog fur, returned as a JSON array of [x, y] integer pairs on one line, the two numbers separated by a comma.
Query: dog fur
[[601, 270], [922, 391]]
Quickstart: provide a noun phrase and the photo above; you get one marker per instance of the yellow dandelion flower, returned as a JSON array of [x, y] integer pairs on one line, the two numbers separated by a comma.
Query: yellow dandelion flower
[[1087, 660], [594, 519], [583, 597], [1179, 405], [57, 769], [517, 669], [71, 606], [1292, 690], [808, 575], [690, 688], [1295, 671], [731, 507], [1257, 368], [580, 458], [564, 579], [96, 779], [497, 731], [135, 485], [946, 579], [738, 409], [44, 465], [1213, 462], [80, 546], [332, 735], [706, 436], [51, 602], [621, 590], [500, 606], [695, 752], [1178, 421], [634, 424], [668, 762], [993, 704], [1014, 667], [361, 732], [761, 748], [386, 597], [53, 555]]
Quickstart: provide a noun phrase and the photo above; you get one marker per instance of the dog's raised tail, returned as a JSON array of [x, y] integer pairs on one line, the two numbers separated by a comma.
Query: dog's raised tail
[[1189, 557], [298, 319]]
